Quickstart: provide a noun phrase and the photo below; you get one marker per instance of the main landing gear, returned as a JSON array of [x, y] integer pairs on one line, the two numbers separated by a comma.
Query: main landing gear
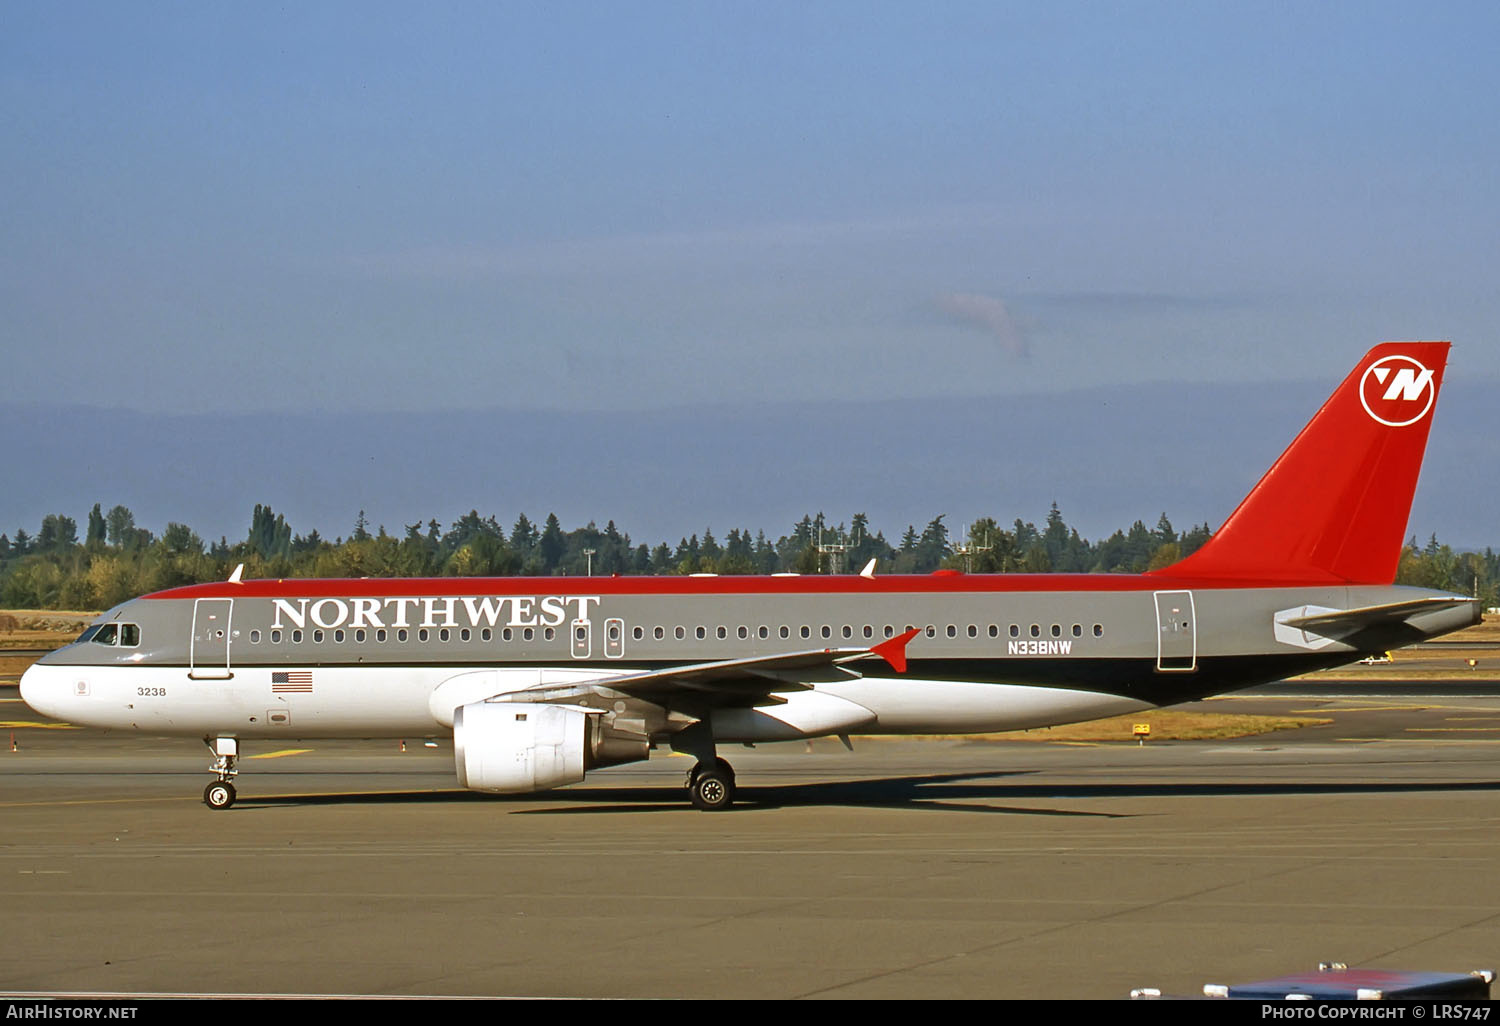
[[220, 794], [711, 786], [710, 783]]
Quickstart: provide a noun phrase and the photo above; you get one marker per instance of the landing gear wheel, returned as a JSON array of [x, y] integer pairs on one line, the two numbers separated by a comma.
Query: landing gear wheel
[[713, 790], [720, 765], [219, 795]]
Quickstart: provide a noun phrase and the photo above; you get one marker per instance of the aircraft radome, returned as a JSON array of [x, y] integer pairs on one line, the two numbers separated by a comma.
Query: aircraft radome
[[541, 680]]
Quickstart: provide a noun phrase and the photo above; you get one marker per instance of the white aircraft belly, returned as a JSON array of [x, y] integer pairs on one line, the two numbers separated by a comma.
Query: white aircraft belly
[[342, 702], [910, 706]]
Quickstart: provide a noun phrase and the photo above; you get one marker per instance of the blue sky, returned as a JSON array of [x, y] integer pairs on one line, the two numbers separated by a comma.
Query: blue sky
[[374, 206], [364, 208]]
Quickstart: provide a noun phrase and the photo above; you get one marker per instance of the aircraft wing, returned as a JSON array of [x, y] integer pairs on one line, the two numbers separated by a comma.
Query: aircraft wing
[[734, 681], [1339, 623]]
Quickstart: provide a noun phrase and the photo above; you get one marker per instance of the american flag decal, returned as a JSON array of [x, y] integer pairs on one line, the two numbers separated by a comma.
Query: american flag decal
[[292, 680]]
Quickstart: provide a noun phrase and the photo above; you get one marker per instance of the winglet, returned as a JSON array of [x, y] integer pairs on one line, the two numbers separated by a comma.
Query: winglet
[[234, 578], [869, 571], [893, 650]]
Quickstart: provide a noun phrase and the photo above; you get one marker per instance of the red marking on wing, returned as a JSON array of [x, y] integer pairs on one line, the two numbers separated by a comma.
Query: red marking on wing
[[893, 650]]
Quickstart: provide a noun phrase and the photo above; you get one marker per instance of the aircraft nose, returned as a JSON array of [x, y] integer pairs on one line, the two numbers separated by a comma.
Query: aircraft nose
[[39, 689]]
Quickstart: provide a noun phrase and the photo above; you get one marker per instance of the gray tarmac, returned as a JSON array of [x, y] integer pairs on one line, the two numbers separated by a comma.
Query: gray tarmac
[[906, 869]]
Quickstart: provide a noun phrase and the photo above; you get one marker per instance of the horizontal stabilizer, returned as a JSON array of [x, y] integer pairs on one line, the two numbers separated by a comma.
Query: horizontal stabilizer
[[1339, 623], [1345, 621]]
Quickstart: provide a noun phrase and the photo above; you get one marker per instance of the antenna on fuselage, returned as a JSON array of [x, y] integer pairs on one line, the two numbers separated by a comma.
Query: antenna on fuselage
[[234, 578]]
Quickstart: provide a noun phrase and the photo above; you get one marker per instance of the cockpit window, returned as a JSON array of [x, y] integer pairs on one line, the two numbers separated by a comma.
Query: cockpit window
[[127, 635], [87, 635]]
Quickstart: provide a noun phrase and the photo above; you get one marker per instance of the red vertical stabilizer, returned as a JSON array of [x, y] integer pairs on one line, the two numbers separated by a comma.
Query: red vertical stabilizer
[[1334, 507]]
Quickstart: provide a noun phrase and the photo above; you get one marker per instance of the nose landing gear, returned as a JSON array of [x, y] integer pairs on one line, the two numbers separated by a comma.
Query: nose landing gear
[[221, 794]]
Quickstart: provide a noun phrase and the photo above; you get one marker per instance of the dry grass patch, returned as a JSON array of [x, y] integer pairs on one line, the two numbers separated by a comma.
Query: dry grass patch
[[41, 628], [1166, 725], [12, 666]]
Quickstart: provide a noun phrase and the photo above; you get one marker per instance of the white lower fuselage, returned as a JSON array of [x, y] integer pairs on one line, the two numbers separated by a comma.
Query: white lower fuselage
[[396, 701]]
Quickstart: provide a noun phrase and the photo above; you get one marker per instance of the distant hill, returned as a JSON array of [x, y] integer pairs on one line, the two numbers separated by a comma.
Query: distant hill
[[1107, 457]]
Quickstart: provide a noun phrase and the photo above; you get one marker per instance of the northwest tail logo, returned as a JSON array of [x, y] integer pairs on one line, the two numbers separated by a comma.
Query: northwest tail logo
[[1397, 391]]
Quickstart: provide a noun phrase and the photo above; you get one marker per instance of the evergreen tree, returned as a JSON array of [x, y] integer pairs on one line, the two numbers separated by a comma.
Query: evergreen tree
[[270, 535], [119, 523], [524, 536], [58, 533], [661, 559], [97, 531], [551, 546]]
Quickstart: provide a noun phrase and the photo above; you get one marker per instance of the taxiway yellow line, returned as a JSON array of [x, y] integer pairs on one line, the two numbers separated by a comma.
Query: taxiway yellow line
[[284, 751]]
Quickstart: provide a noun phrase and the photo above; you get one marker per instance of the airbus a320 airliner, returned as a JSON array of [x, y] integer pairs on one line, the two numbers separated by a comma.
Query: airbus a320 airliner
[[540, 680]]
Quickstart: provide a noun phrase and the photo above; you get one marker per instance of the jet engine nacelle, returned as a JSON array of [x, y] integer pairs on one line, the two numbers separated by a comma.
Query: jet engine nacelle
[[515, 747], [519, 746]]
